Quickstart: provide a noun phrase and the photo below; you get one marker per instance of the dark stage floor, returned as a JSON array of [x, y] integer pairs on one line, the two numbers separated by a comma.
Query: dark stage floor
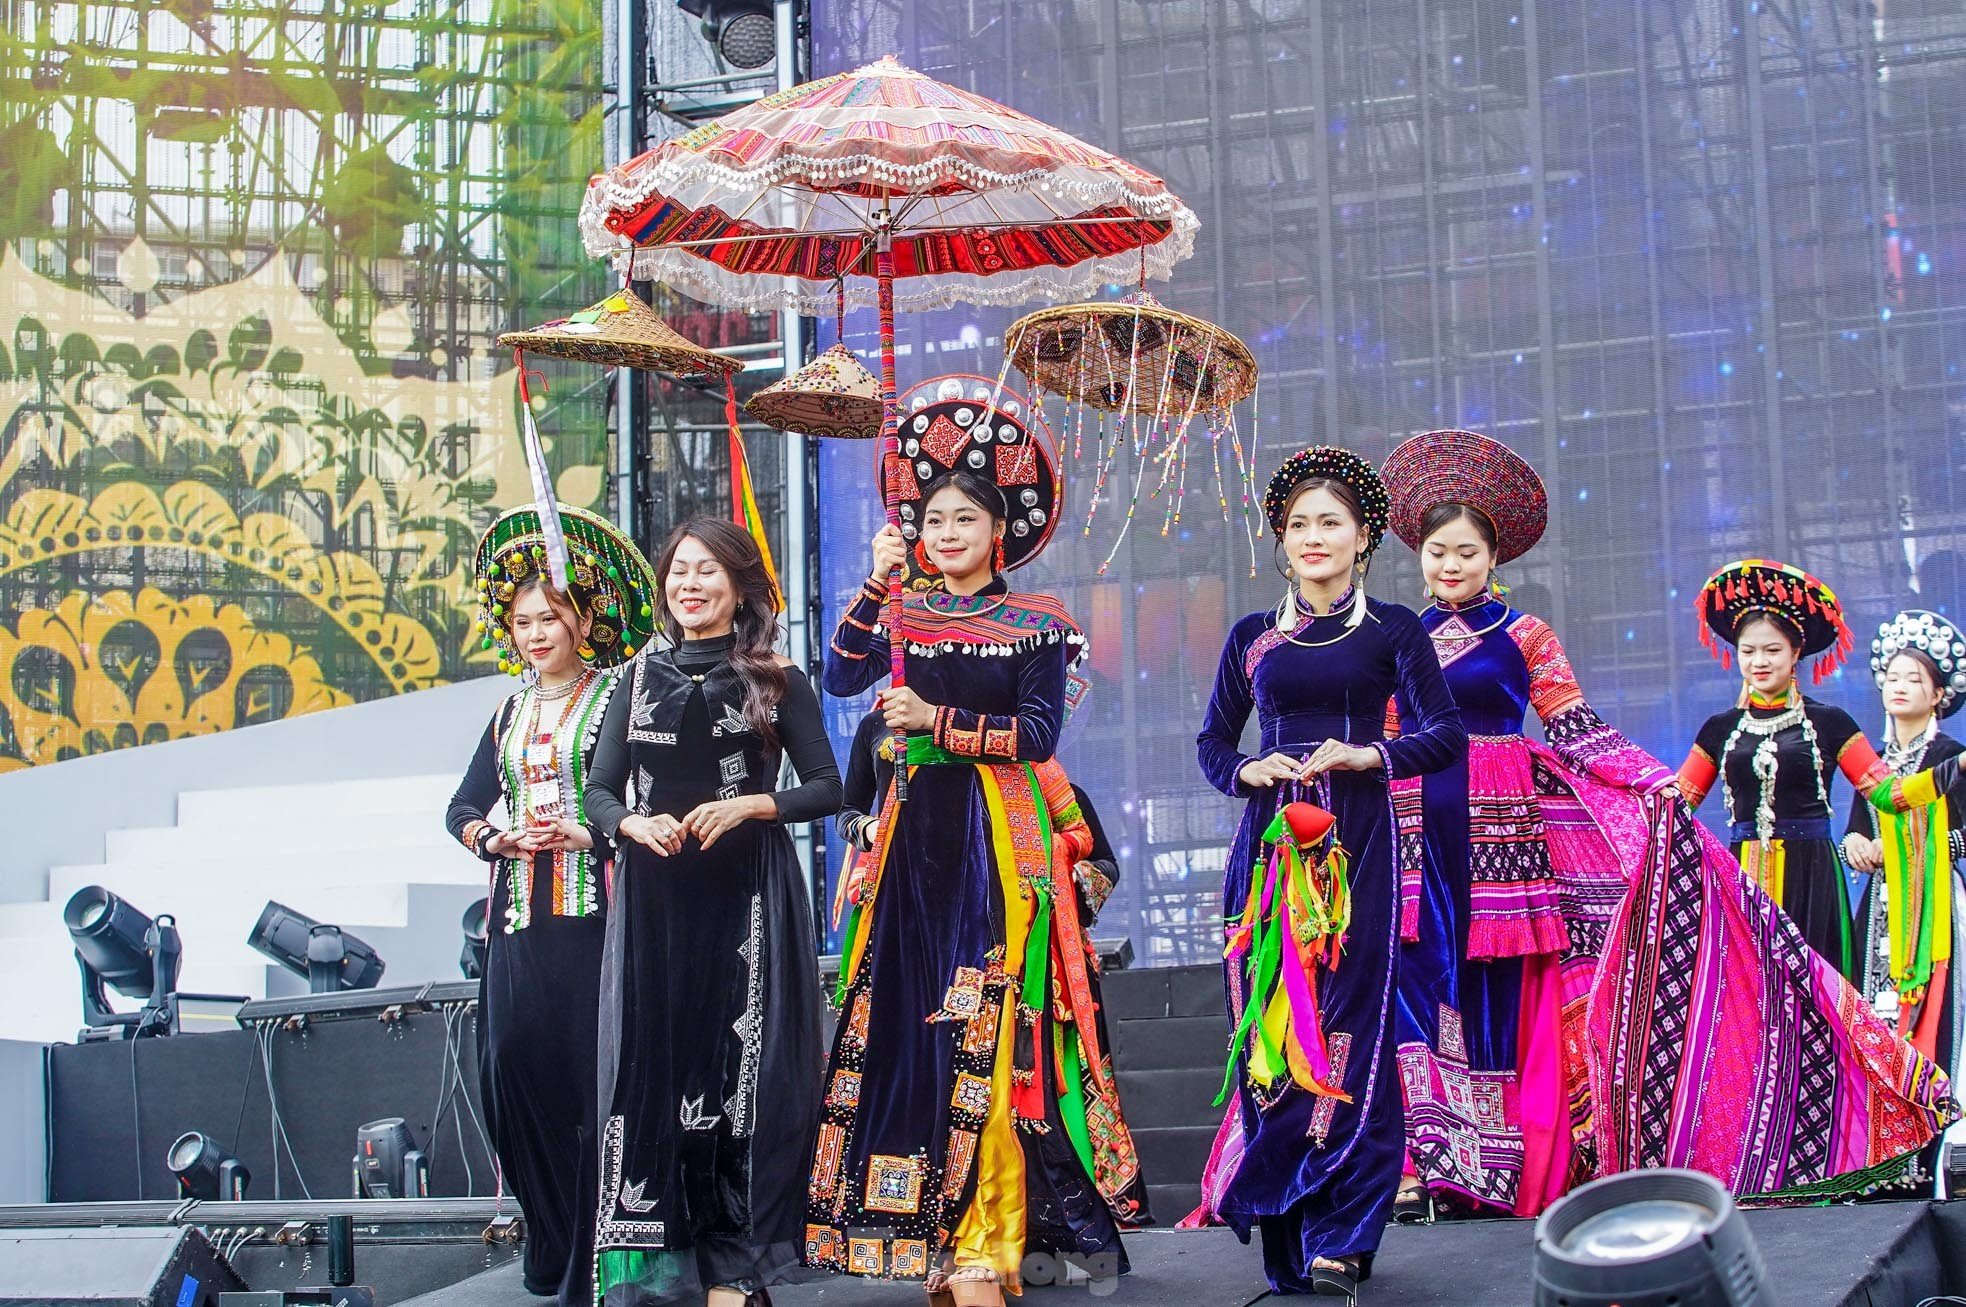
[[1863, 1256]]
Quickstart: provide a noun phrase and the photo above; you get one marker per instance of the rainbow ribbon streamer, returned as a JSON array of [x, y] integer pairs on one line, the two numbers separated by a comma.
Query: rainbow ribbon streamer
[[744, 499], [1293, 925]]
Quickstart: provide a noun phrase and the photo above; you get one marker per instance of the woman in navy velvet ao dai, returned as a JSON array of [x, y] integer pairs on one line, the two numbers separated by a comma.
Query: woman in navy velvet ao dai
[[1318, 1174]]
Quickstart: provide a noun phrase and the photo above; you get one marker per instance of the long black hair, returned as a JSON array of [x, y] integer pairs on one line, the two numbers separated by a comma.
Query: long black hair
[[754, 626]]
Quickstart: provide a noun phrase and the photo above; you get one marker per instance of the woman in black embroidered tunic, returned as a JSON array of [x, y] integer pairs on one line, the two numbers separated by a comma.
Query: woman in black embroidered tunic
[[958, 1130], [540, 989], [710, 1035], [1116, 1162]]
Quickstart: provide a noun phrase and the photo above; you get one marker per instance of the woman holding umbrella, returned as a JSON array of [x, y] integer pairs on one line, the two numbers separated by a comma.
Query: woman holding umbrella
[[954, 1103], [1313, 1065]]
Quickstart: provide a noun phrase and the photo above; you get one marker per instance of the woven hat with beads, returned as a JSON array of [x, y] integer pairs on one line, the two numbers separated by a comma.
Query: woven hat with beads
[[1465, 467], [611, 581], [834, 395], [1338, 465]]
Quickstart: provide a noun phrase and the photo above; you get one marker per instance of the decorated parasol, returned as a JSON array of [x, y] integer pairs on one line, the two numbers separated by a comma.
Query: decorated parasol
[[1153, 371], [933, 194]]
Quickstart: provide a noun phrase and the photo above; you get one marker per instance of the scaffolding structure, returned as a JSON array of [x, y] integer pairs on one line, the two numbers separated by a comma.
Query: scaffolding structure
[[1698, 259], [360, 198]]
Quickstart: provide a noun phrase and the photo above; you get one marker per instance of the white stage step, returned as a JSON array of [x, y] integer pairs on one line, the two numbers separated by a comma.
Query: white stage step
[[369, 855], [328, 802], [270, 840]]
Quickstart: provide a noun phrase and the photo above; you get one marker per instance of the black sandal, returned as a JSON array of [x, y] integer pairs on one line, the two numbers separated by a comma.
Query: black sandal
[[1414, 1206], [1332, 1282]]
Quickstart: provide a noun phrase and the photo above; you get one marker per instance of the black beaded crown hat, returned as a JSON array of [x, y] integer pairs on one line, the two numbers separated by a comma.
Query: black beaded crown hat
[[611, 581], [1753, 585], [1935, 637], [1465, 467], [1339, 465], [966, 422]]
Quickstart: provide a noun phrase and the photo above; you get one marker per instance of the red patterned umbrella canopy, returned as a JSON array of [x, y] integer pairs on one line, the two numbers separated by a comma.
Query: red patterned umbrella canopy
[[937, 195], [772, 205]]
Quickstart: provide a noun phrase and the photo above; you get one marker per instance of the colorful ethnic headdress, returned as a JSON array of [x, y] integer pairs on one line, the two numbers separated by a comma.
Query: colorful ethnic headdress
[[1339, 465], [1464, 467], [966, 422], [611, 581], [1935, 637], [1758, 585]]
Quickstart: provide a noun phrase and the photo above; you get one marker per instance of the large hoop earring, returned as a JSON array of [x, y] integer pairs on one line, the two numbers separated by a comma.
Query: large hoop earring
[[1276, 560], [921, 559]]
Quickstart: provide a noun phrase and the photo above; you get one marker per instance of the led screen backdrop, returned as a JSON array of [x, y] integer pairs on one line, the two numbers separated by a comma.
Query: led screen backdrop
[[1702, 263], [252, 261]]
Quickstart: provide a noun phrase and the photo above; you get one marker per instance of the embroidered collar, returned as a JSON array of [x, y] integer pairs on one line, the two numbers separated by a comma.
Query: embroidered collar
[[954, 605], [993, 621]]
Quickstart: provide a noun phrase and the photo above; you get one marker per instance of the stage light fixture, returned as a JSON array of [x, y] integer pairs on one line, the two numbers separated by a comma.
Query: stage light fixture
[[1952, 1171], [744, 32], [1647, 1239], [117, 945], [205, 1170], [388, 1164], [329, 957], [477, 939]]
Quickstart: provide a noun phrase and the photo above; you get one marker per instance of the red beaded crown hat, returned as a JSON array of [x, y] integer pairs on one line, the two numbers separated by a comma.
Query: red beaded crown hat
[[1759, 585], [966, 423], [1338, 465], [611, 581], [1465, 467]]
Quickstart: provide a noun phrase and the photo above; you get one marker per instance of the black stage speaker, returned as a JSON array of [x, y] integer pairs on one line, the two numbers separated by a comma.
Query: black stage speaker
[[141, 1266]]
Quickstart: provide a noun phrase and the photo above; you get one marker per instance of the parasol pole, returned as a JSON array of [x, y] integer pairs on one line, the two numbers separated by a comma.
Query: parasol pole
[[890, 470]]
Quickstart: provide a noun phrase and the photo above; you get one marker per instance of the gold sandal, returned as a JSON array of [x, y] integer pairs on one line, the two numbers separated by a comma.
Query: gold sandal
[[976, 1286]]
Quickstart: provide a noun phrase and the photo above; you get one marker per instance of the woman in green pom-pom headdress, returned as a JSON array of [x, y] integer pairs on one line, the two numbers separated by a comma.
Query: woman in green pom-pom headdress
[[539, 996]]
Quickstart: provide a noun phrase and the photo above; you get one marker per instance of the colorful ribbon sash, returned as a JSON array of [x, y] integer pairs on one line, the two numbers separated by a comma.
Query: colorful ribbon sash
[[1292, 925]]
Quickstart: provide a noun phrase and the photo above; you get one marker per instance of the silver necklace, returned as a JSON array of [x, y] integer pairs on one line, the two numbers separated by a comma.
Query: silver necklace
[[552, 692]]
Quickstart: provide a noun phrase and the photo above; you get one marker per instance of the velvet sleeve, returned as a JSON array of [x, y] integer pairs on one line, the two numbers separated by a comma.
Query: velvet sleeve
[[1219, 745], [1028, 735], [859, 794], [1838, 733], [857, 659], [1839, 737], [469, 814], [605, 793], [1436, 739], [1101, 846], [802, 734]]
